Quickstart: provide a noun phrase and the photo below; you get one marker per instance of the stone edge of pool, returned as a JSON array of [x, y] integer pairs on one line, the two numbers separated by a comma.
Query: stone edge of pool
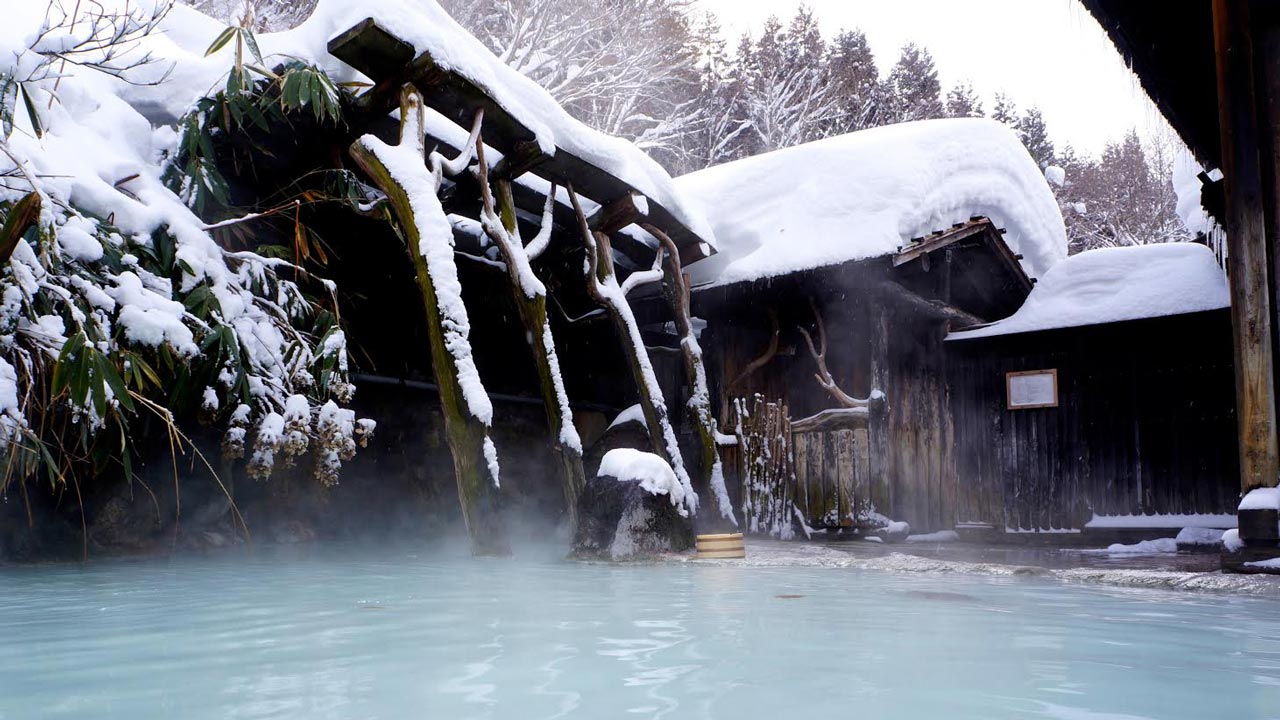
[[770, 554]]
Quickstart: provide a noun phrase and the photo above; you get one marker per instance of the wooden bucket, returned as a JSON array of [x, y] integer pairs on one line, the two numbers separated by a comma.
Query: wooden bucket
[[719, 547]]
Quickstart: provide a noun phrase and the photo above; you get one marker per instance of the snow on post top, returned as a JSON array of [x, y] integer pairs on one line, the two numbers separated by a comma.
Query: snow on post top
[[1116, 284], [866, 194]]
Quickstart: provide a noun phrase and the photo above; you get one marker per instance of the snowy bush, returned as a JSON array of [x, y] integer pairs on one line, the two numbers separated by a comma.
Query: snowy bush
[[115, 302]]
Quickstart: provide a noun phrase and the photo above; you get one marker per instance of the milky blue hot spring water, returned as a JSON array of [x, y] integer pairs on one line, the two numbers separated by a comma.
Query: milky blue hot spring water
[[397, 634]]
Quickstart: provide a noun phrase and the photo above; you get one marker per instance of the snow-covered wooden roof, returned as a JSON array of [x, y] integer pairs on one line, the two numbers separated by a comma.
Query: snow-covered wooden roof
[[867, 194], [1114, 285], [418, 42]]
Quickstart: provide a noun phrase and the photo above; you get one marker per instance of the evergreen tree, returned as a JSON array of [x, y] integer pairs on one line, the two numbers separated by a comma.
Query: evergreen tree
[[1035, 136], [785, 93], [1005, 110], [912, 91], [851, 67], [962, 101]]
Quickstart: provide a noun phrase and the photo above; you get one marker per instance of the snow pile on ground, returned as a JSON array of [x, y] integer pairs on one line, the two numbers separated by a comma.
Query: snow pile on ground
[[942, 536], [1116, 284], [1144, 547], [1199, 536], [652, 472], [866, 194]]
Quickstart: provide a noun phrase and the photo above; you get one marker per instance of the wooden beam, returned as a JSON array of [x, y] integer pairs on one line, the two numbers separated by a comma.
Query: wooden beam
[[622, 212], [930, 308], [378, 53], [941, 240], [371, 49], [1247, 244]]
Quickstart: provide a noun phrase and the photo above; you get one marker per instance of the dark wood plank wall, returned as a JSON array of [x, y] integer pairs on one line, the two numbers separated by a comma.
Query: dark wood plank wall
[[909, 471], [1146, 424]]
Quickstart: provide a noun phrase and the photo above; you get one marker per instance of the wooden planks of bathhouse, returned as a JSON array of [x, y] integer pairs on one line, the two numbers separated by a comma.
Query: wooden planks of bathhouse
[[1144, 424]]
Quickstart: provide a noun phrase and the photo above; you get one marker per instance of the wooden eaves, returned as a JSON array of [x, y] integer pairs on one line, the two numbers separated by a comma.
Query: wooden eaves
[[390, 61]]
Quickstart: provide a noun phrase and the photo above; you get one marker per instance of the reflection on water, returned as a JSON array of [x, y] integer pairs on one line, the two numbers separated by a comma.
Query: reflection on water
[[327, 633]]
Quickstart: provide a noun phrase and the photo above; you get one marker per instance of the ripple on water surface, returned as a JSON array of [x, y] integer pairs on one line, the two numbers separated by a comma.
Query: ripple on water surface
[[390, 634]]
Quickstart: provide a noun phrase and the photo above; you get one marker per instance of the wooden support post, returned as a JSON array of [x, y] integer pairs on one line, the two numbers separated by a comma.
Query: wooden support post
[[603, 287], [675, 288], [531, 301], [1247, 244], [474, 456], [880, 462]]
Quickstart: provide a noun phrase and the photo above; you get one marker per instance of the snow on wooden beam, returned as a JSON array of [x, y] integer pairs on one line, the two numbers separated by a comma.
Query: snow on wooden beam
[[379, 54]]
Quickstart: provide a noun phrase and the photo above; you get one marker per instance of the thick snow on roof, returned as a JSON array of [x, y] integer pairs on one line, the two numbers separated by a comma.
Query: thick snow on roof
[[185, 35], [1116, 284], [430, 29], [865, 194]]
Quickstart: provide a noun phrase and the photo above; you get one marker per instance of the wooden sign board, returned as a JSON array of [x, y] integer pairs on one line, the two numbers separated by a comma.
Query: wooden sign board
[[1031, 389]]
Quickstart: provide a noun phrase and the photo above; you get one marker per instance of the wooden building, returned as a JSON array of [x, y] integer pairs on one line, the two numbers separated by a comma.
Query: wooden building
[[884, 380], [826, 325], [874, 323], [1104, 403]]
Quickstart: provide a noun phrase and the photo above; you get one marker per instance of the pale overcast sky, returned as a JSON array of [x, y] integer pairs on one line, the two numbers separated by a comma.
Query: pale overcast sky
[[1048, 53]]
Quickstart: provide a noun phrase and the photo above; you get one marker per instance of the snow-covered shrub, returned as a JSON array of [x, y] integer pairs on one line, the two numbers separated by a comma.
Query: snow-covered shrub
[[116, 303]]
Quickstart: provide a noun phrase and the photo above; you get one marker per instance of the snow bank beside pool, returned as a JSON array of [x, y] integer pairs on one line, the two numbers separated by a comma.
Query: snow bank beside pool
[[1116, 284], [865, 194]]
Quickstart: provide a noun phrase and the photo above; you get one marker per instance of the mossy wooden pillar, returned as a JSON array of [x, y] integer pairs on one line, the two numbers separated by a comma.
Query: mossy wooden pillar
[[411, 191], [530, 297], [1251, 311], [603, 287], [675, 288]]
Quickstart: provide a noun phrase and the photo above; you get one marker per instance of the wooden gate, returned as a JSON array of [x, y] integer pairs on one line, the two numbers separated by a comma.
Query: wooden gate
[[764, 465], [833, 469]]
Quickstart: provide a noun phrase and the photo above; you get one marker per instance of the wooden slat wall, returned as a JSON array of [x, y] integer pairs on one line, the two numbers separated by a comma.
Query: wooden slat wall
[[903, 461], [832, 477], [1146, 424]]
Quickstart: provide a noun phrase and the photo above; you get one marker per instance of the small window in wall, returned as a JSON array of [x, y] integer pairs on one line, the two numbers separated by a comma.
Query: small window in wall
[[1032, 389]]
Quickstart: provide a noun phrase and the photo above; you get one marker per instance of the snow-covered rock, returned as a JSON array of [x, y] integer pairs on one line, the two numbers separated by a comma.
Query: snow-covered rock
[[865, 194], [632, 509], [1116, 284], [652, 473]]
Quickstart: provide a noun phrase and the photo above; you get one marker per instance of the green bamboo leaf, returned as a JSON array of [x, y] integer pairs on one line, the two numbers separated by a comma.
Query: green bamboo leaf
[[115, 382], [97, 384], [37, 125], [222, 40], [252, 42], [146, 371], [290, 91], [126, 456], [262, 71], [8, 103], [62, 368]]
